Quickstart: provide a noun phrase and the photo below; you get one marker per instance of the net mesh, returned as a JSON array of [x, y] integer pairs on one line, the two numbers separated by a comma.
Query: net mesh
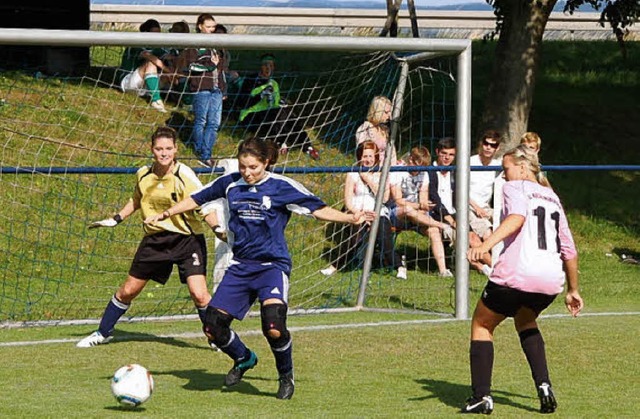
[[70, 146]]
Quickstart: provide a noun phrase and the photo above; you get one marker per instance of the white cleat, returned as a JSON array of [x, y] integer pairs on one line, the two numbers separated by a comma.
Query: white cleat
[[94, 339]]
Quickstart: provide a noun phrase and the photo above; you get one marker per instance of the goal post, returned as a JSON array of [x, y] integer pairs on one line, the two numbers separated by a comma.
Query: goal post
[[69, 146]]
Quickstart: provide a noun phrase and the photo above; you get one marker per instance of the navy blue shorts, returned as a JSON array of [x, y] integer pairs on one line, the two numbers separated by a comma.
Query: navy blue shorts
[[243, 282], [507, 301]]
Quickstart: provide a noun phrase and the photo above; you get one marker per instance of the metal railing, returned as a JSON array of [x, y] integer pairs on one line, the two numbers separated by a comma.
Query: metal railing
[[336, 18]]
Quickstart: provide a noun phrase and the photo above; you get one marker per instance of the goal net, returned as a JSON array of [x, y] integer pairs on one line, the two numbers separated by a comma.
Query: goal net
[[71, 146]]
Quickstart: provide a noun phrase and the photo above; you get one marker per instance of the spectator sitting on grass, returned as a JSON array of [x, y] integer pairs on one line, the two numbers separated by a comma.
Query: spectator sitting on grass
[[141, 67], [263, 112]]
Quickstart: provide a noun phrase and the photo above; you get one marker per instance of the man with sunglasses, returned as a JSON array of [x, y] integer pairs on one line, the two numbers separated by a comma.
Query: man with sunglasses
[[481, 194]]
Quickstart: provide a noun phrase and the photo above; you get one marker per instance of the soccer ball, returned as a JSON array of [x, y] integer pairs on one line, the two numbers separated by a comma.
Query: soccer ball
[[132, 385]]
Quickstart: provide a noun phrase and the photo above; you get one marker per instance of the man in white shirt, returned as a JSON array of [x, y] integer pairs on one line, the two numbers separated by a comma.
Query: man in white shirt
[[481, 193], [442, 183]]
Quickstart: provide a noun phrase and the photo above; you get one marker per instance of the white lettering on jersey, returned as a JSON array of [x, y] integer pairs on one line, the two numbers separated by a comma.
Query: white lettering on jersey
[[266, 203]]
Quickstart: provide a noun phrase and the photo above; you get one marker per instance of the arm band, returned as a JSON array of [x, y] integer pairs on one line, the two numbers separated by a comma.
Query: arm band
[[117, 218]]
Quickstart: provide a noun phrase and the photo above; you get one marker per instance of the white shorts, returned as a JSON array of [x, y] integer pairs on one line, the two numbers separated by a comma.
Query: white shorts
[[132, 82]]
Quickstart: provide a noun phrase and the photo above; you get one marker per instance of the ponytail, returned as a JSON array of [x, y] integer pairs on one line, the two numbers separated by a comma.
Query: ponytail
[[524, 155]]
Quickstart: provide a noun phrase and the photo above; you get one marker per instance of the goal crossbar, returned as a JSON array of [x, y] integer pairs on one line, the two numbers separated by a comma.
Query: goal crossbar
[[417, 46]]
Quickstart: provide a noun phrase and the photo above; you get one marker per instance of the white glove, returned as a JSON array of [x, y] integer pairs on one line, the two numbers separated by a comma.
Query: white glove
[[107, 222], [221, 233]]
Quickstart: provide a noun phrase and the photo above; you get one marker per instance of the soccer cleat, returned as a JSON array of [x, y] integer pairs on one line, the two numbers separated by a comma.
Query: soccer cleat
[[239, 368], [402, 273], [446, 274], [313, 153], [158, 106], [548, 402], [94, 339], [328, 271], [286, 387], [475, 405]]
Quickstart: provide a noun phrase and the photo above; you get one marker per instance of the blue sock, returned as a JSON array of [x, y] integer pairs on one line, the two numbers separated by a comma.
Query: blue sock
[[284, 357], [115, 309], [235, 348]]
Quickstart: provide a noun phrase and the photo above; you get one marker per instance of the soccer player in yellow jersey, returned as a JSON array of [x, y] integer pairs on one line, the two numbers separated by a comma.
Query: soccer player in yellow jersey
[[176, 240]]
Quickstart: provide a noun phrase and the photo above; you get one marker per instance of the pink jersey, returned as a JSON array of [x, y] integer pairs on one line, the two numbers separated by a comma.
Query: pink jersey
[[532, 258]]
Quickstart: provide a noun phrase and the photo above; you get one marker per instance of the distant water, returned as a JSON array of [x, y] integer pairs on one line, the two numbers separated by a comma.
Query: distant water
[[460, 5], [333, 4]]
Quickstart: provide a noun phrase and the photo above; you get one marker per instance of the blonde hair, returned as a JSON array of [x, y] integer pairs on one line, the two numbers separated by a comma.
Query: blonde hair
[[524, 155], [531, 138], [376, 109]]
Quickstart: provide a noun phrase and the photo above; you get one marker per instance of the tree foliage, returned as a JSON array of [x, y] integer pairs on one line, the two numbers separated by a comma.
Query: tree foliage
[[520, 25], [620, 14]]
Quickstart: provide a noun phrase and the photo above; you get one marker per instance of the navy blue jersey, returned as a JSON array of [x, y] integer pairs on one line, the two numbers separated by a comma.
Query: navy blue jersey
[[259, 213]]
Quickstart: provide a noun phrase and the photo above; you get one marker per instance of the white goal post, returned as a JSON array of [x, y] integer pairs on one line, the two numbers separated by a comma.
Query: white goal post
[[403, 47]]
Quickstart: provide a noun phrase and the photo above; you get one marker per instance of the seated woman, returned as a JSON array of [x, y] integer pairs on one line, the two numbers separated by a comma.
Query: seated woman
[[410, 193], [376, 127], [360, 191]]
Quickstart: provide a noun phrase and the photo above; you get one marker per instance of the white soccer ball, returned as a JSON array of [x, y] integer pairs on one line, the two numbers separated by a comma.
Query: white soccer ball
[[132, 385]]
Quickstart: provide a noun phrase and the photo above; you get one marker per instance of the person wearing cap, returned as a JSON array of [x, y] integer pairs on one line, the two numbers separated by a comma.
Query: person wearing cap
[[264, 113]]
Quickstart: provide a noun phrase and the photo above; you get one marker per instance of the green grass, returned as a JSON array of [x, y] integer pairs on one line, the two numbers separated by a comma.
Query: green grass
[[585, 108], [384, 371]]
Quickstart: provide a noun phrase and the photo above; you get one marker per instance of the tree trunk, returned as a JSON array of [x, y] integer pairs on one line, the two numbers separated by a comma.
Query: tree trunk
[[391, 24], [414, 18], [510, 93]]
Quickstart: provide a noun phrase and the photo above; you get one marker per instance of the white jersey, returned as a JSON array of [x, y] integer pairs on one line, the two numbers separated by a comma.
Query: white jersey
[[532, 257]]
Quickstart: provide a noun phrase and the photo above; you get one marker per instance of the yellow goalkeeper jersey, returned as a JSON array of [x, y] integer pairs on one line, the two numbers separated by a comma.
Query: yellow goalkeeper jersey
[[154, 194]]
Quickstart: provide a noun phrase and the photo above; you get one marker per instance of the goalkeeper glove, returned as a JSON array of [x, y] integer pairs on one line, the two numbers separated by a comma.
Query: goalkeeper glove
[[107, 222]]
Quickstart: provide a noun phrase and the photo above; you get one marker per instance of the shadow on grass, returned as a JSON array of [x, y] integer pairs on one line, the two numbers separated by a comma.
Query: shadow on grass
[[454, 395], [201, 380], [628, 256], [130, 410], [123, 337]]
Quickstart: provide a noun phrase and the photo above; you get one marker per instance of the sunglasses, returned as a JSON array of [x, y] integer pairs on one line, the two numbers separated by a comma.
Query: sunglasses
[[487, 143]]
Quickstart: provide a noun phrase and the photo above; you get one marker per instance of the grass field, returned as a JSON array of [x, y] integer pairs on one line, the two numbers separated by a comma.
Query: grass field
[[586, 110], [393, 370]]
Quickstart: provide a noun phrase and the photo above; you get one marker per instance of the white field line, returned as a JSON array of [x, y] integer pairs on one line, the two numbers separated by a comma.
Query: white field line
[[192, 335]]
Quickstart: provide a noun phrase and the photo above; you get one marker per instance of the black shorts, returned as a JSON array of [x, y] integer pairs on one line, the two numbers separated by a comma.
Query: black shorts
[[158, 252], [507, 301]]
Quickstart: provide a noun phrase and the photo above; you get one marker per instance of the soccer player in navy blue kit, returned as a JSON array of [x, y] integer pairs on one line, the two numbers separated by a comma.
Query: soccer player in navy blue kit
[[260, 205]]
